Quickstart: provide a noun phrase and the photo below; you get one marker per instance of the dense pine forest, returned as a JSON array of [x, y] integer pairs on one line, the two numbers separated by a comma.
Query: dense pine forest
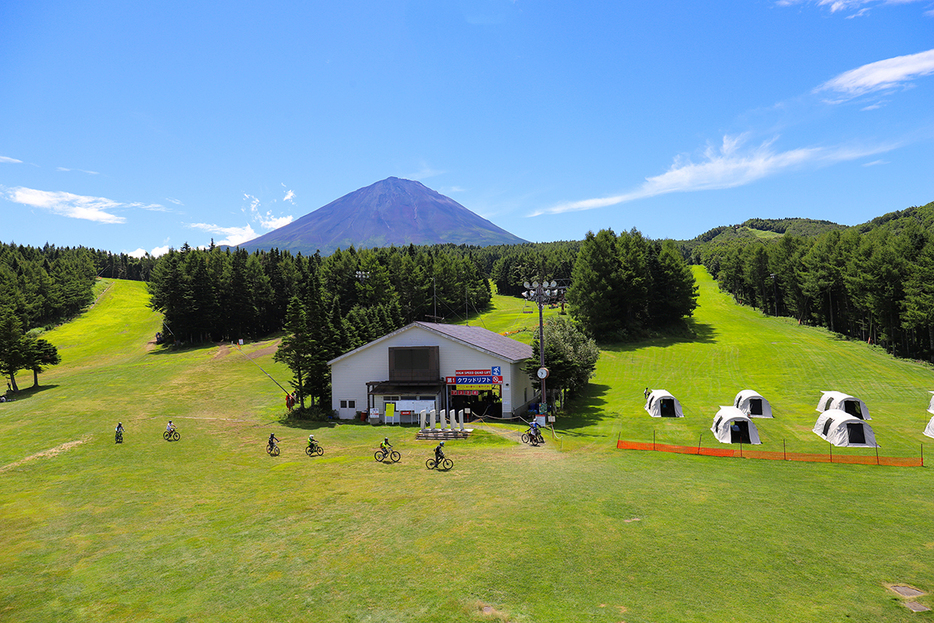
[[873, 282]]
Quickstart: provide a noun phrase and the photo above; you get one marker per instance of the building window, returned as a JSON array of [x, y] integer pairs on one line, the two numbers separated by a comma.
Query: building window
[[343, 404], [351, 404]]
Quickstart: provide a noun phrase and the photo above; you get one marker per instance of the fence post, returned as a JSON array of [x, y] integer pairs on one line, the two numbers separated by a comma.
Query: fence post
[[922, 455], [741, 449], [831, 453], [784, 452], [653, 439], [877, 454], [699, 437]]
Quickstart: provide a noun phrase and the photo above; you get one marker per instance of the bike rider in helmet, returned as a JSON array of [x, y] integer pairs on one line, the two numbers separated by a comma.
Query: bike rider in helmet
[[439, 453], [385, 447], [118, 432], [169, 427], [311, 441]]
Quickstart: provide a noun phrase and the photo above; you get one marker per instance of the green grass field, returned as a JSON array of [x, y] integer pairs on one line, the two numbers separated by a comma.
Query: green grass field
[[210, 528]]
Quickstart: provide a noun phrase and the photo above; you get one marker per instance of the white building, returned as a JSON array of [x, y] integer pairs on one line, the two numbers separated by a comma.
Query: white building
[[433, 366]]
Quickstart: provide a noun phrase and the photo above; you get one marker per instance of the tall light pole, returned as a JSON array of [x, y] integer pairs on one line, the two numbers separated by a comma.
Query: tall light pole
[[541, 293]]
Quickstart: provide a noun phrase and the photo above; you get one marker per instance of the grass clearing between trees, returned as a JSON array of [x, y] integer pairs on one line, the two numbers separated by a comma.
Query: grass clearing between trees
[[210, 528]]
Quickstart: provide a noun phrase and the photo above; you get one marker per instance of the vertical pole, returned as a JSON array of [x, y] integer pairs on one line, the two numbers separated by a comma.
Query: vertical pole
[[784, 451], [877, 454], [540, 293], [922, 455], [653, 439], [831, 453], [699, 437]]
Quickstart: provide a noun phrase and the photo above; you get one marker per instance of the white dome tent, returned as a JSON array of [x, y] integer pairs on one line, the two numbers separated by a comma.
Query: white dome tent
[[731, 425], [661, 403], [752, 404], [929, 430], [844, 430], [844, 402]]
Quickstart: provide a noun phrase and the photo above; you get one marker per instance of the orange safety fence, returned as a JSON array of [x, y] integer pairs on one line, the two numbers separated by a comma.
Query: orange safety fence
[[742, 452]]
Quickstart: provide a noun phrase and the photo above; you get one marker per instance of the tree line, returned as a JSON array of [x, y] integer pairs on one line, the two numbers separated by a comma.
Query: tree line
[[874, 282]]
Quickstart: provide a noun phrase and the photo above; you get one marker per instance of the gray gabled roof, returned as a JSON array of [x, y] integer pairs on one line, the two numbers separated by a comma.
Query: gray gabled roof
[[476, 337]]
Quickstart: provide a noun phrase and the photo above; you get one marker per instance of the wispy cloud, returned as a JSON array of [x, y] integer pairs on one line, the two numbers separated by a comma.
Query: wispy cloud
[[232, 236], [289, 196], [861, 7], [267, 220], [9, 160], [175, 201], [423, 173], [97, 209], [728, 166], [881, 75], [78, 170]]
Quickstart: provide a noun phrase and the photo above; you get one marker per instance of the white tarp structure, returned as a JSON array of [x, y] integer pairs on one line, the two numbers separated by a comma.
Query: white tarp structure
[[660, 403], [731, 425], [929, 429], [752, 404], [844, 430], [844, 402]]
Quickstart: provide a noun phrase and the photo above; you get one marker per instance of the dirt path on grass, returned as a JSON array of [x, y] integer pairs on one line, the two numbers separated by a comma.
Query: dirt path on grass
[[45, 453]]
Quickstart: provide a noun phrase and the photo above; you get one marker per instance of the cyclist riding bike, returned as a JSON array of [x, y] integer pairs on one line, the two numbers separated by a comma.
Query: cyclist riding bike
[[385, 447], [118, 432], [439, 452], [272, 439], [169, 427], [312, 442]]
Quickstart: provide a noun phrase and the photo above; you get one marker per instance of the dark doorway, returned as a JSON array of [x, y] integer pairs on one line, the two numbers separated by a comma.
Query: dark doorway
[[856, 433], [739, 432], [852, 407], [755, 406], [666, 407]]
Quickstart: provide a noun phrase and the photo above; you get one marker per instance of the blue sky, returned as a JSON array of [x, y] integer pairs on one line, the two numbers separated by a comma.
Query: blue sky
[[135, 127]]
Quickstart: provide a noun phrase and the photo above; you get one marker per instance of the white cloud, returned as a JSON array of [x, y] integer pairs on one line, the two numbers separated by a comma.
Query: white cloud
[[140, 252], [288, 197], [726, 167], [159, 251], [886, 74], [267, 221], [79, 170], [67, 204], [423, 173], [9, 160], [233, 236], [860, 6], [175, 201]]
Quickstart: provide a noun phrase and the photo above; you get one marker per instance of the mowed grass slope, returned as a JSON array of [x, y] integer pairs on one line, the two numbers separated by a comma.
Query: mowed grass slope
[[212, 529]]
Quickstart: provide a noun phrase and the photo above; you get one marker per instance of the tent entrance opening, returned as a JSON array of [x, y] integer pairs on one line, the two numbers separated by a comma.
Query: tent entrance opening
[[739, 432], [852, 407], [666, 407], [755, 406], [855, 433]]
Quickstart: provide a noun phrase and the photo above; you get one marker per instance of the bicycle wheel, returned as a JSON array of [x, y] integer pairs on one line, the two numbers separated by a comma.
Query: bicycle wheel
[[167, 436], [309, 451], [275, 451], [430, 463], [525, 438], [447, 464], [378, 456], [175, 435], [319, 450], [395, 456], [269, 449]]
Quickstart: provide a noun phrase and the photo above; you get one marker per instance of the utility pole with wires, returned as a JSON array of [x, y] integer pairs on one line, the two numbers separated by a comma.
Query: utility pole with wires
[[541, 293]]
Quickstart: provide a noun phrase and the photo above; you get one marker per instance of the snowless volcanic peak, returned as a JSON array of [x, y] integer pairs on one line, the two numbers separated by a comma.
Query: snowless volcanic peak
[[391, 212]]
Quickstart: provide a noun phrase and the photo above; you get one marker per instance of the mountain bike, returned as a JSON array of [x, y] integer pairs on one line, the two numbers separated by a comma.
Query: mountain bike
[[533, 438], [118, 436], [272, 449], [171, 435], [314, 450], [444, 465], [392, 455]]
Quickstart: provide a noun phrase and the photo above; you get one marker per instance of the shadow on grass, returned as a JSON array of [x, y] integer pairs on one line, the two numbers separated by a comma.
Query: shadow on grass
[[29, 392], [586, 409], [693, 333]]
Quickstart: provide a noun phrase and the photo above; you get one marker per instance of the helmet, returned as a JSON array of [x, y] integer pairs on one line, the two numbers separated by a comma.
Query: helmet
[[311, 436], [119, 423], [386, 439], [442, 443]]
